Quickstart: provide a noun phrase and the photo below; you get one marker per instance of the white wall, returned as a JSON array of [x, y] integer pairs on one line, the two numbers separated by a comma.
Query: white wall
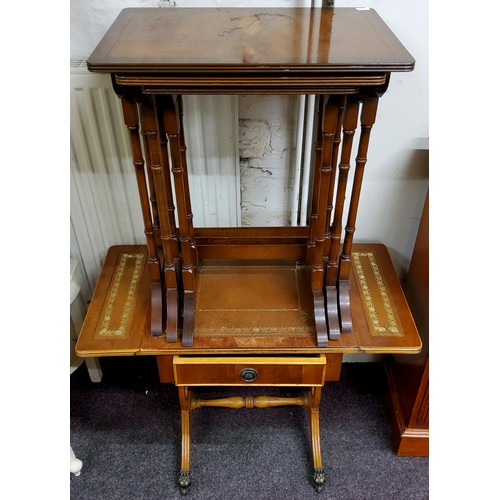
[[396, 176]]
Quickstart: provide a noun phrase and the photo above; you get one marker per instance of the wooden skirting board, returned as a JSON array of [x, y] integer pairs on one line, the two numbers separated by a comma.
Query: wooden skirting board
[[411, 435]]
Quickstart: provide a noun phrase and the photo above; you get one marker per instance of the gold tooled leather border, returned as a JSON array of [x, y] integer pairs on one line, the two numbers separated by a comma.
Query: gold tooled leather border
[[382, 321], [117, 285], [265, 331]]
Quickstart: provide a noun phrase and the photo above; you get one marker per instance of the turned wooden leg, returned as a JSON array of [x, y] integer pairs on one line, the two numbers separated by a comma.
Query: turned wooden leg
[[368, 114], [131, 118], [146, 131], [171, 118], [319, 474], [185, 403], [327, 126], [318, 298], [331, 291], [310, 399], [159, 165], [332, 268], [189, 212]]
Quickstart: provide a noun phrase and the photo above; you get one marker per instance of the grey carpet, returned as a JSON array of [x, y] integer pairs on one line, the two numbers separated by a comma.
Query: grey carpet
[[126, 430]]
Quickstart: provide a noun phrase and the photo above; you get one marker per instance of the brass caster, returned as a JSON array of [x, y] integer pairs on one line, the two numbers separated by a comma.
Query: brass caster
[[319, 479], [184, 481]]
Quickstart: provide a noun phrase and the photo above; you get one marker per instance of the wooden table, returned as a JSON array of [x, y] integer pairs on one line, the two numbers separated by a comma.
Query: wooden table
[[248, 306]]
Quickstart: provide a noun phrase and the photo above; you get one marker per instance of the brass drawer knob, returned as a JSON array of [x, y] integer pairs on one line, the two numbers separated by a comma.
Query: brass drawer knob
[[248, 374]]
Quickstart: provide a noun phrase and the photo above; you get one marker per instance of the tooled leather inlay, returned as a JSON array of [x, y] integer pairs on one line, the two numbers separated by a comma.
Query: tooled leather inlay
[[253, 301], [381, 315], [121, 298]]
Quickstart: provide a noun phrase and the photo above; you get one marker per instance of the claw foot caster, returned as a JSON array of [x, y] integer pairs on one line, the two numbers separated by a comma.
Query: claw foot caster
[[184, 481], [319, 479]]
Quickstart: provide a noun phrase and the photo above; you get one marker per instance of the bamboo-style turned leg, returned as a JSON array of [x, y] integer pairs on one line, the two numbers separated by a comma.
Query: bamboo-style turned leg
[[172, 122], [332, 292], [330, 117], [168, 230], [313, 214], [189, 212], [327, 125], [328, 129], [146, 130], [159, 167], [318, 299], [368, 114], [131, 119], [331, 188], [310, 400]]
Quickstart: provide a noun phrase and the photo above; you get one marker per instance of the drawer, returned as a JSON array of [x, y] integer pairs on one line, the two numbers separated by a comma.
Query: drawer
[[289, 371]]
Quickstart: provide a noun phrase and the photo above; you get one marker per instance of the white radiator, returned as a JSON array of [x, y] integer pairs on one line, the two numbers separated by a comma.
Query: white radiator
[[104, 203]]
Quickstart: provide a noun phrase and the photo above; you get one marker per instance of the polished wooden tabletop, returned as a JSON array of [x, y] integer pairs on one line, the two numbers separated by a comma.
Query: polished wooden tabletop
[[154, 40]]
